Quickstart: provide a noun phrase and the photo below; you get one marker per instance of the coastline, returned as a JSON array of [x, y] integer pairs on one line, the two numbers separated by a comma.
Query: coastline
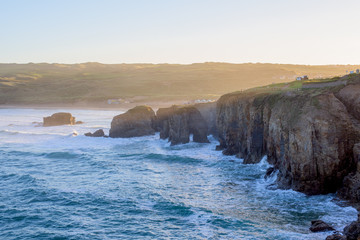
[[120, 108], [92, 106]]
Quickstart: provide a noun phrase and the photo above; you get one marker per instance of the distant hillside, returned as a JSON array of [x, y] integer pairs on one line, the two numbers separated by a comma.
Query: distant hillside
[[94, 82]]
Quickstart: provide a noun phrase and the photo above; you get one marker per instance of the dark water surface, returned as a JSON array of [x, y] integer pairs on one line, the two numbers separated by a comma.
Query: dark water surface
[[57, 186]]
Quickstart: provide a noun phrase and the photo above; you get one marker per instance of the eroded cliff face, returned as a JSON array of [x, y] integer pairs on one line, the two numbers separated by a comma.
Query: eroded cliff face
[[308, 136], [208, 112], [177, 123], [135, 122], [351, 185]]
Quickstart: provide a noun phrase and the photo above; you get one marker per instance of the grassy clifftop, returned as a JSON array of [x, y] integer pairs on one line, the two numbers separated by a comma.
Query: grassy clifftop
[[94, 82]]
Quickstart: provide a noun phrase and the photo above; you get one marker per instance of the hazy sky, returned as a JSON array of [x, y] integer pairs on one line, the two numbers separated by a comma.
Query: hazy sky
[[180, 31]]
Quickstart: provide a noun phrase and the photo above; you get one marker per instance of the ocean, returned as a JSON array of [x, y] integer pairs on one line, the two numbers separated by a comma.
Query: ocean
[[55, 184]]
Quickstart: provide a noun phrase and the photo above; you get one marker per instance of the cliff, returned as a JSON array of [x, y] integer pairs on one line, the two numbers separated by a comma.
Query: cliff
[[309, 134], [134, 123], [177, 123], [208, 112]]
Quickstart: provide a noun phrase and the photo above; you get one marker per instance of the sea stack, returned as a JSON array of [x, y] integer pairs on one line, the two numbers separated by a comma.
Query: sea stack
[[177, 123], [57, 119], [136, 122]]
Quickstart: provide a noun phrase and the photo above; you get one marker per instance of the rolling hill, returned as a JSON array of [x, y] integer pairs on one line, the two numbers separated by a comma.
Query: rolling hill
[[90, 83]]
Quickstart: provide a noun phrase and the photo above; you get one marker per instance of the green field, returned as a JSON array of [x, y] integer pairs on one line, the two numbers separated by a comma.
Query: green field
[[94, 82]]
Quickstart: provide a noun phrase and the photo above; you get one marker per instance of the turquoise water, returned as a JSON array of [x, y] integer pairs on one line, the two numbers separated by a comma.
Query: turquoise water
[[54, 185]]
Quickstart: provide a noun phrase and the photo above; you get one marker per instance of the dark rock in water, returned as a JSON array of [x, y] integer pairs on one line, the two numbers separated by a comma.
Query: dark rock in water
[[352, 231], [219, 148], [136, 122], [97, 133], [351, 184], [177, 123], [79, 122], [336, 236], [320, 226], [58, 119], [269, 172]]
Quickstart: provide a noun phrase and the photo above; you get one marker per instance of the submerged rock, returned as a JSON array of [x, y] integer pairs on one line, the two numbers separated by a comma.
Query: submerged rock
[[320, 226], [136, 122], [79, 122], [57, 119], [97, 133], [336, 236]]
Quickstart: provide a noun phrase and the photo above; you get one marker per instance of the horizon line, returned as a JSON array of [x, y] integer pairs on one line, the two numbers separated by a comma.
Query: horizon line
[[148, 63]]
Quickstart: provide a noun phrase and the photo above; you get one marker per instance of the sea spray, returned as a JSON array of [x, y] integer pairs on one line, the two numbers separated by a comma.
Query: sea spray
[[56, 185]]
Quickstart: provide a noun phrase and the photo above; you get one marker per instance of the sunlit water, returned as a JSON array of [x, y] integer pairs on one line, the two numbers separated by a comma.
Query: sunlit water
[[54, 185]]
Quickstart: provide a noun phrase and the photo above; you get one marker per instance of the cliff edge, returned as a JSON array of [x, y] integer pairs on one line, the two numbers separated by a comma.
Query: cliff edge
[[308, 134]]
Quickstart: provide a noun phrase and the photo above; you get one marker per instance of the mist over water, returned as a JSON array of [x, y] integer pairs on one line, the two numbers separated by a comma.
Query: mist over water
[[54, 185]]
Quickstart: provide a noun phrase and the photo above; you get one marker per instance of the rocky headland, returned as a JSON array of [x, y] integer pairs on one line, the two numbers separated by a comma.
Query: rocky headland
[[311, 135]]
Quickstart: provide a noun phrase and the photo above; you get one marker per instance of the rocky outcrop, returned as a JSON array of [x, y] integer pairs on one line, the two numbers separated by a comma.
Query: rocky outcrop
[[351, 184], [177, 123], [241, 126], [336, 236], [161, 124], [58, 119], [135, 122], [312, 148], [352, 231], [97, 133], [309, 136], [320, 226]]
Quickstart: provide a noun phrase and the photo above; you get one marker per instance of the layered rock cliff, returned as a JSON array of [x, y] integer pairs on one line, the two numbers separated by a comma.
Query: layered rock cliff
[[208, 112], [176, 123], [308, 135], [134, 123]]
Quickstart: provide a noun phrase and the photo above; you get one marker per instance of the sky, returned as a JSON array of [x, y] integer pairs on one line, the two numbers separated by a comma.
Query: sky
[[312, 32]]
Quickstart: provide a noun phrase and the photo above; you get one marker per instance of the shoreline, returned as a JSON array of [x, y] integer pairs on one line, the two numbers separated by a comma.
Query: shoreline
[[123, 107], [93, 106]]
